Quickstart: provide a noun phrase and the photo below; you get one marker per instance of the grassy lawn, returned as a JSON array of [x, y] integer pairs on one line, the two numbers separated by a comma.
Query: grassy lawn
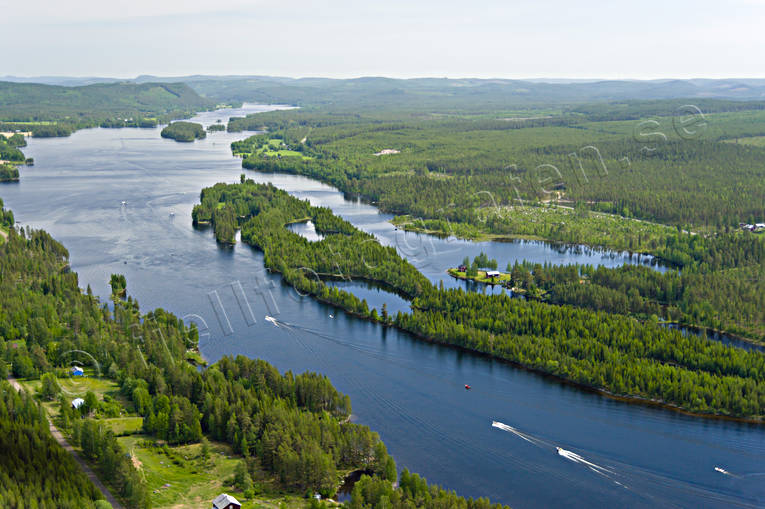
[[481, 277], [275, 147], [124, 425], [179, 478]]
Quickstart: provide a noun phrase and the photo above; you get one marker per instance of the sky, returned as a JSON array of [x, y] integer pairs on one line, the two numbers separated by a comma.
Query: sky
[[398, 38]]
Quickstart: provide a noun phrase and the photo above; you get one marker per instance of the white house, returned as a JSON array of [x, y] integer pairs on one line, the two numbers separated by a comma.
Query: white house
[[226, 502], [77, 402], [492, 273]]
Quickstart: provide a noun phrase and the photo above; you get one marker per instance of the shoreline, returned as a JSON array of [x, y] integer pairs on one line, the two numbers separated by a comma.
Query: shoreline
[[629, 399]]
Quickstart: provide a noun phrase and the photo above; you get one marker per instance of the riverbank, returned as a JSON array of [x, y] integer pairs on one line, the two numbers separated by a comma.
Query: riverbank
[[533, 334], [627, 398], [170, 264]]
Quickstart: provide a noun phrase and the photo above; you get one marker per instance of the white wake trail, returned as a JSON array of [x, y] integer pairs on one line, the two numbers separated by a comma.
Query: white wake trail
[[516, 432], [572, 456]]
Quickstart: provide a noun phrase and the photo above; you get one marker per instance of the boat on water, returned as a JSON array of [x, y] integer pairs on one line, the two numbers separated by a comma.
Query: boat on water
[[467, 387]]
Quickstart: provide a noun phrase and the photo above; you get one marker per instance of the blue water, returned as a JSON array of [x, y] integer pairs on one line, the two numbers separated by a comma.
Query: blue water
[[409, 391]]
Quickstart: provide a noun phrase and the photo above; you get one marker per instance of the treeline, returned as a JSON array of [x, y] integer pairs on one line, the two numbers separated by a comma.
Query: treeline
[[184, 131], [35, 471], [413, 493], [596, 349], [264, 211], [730, 300], [292, 426], [446, 168], [6, 216], [608, 351], [114, 465]]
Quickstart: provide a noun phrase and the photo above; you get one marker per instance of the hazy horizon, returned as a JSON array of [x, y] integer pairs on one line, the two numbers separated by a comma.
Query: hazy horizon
[[591, 40]]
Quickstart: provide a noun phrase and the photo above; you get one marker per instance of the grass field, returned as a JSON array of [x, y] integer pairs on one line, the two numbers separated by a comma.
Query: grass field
[[275, 147], [124, 425], [179, 478], [481, 277]]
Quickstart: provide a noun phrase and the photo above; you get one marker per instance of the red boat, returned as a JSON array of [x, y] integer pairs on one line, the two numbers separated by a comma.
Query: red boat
[[467, 387]]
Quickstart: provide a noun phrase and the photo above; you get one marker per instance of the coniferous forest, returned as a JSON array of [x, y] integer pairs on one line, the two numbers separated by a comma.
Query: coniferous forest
[[294, 426], [608, 351]]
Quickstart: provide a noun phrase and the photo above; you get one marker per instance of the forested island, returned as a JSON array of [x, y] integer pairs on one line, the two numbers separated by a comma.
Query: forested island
[[184, 131], [614, 353], [285, 433]]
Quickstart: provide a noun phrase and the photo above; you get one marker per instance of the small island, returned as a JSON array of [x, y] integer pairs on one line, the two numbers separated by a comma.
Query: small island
[[216, 128], [518, 278], [184, 131]]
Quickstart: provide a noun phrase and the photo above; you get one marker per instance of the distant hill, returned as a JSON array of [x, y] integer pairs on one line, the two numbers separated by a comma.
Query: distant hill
[[23, 102], [153, 93], [425, 93]]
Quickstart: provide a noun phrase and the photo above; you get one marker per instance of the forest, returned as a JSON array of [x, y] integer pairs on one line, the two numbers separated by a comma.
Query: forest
[[53, 110], [184, 131], [294, 427], [470, 170], [612, 352], [35, 471]]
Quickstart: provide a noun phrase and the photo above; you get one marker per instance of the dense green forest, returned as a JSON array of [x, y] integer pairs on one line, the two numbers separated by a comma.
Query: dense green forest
[[51, 110], [612, 352], [35, 471], [184, 131], [293, 427], [480, 171]]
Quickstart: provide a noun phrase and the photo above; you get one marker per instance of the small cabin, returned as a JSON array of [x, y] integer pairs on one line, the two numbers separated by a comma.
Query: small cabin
[[462, 268], [77, 371], [492, 273], [77, 403], [224, 501]]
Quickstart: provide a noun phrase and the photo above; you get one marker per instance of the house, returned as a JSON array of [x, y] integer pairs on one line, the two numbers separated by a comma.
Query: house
[[492, 273], [462, 268], [77, 403], [77, 371], [226, 502]]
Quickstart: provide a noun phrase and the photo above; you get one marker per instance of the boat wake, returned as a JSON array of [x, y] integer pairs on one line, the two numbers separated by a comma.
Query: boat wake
[[569, 455], [572, 456], [518, 433]]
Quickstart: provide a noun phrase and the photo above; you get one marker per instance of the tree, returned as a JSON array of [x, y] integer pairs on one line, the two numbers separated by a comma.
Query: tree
[[91, 402], [49, 388]]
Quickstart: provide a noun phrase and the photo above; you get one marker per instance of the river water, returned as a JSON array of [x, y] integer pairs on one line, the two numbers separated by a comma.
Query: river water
[[409, 391]]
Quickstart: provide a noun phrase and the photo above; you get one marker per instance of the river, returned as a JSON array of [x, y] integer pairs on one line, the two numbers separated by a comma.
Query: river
[[409, 391]]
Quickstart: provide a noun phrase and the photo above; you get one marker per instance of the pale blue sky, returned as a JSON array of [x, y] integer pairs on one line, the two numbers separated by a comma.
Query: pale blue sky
[[340, 38]]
